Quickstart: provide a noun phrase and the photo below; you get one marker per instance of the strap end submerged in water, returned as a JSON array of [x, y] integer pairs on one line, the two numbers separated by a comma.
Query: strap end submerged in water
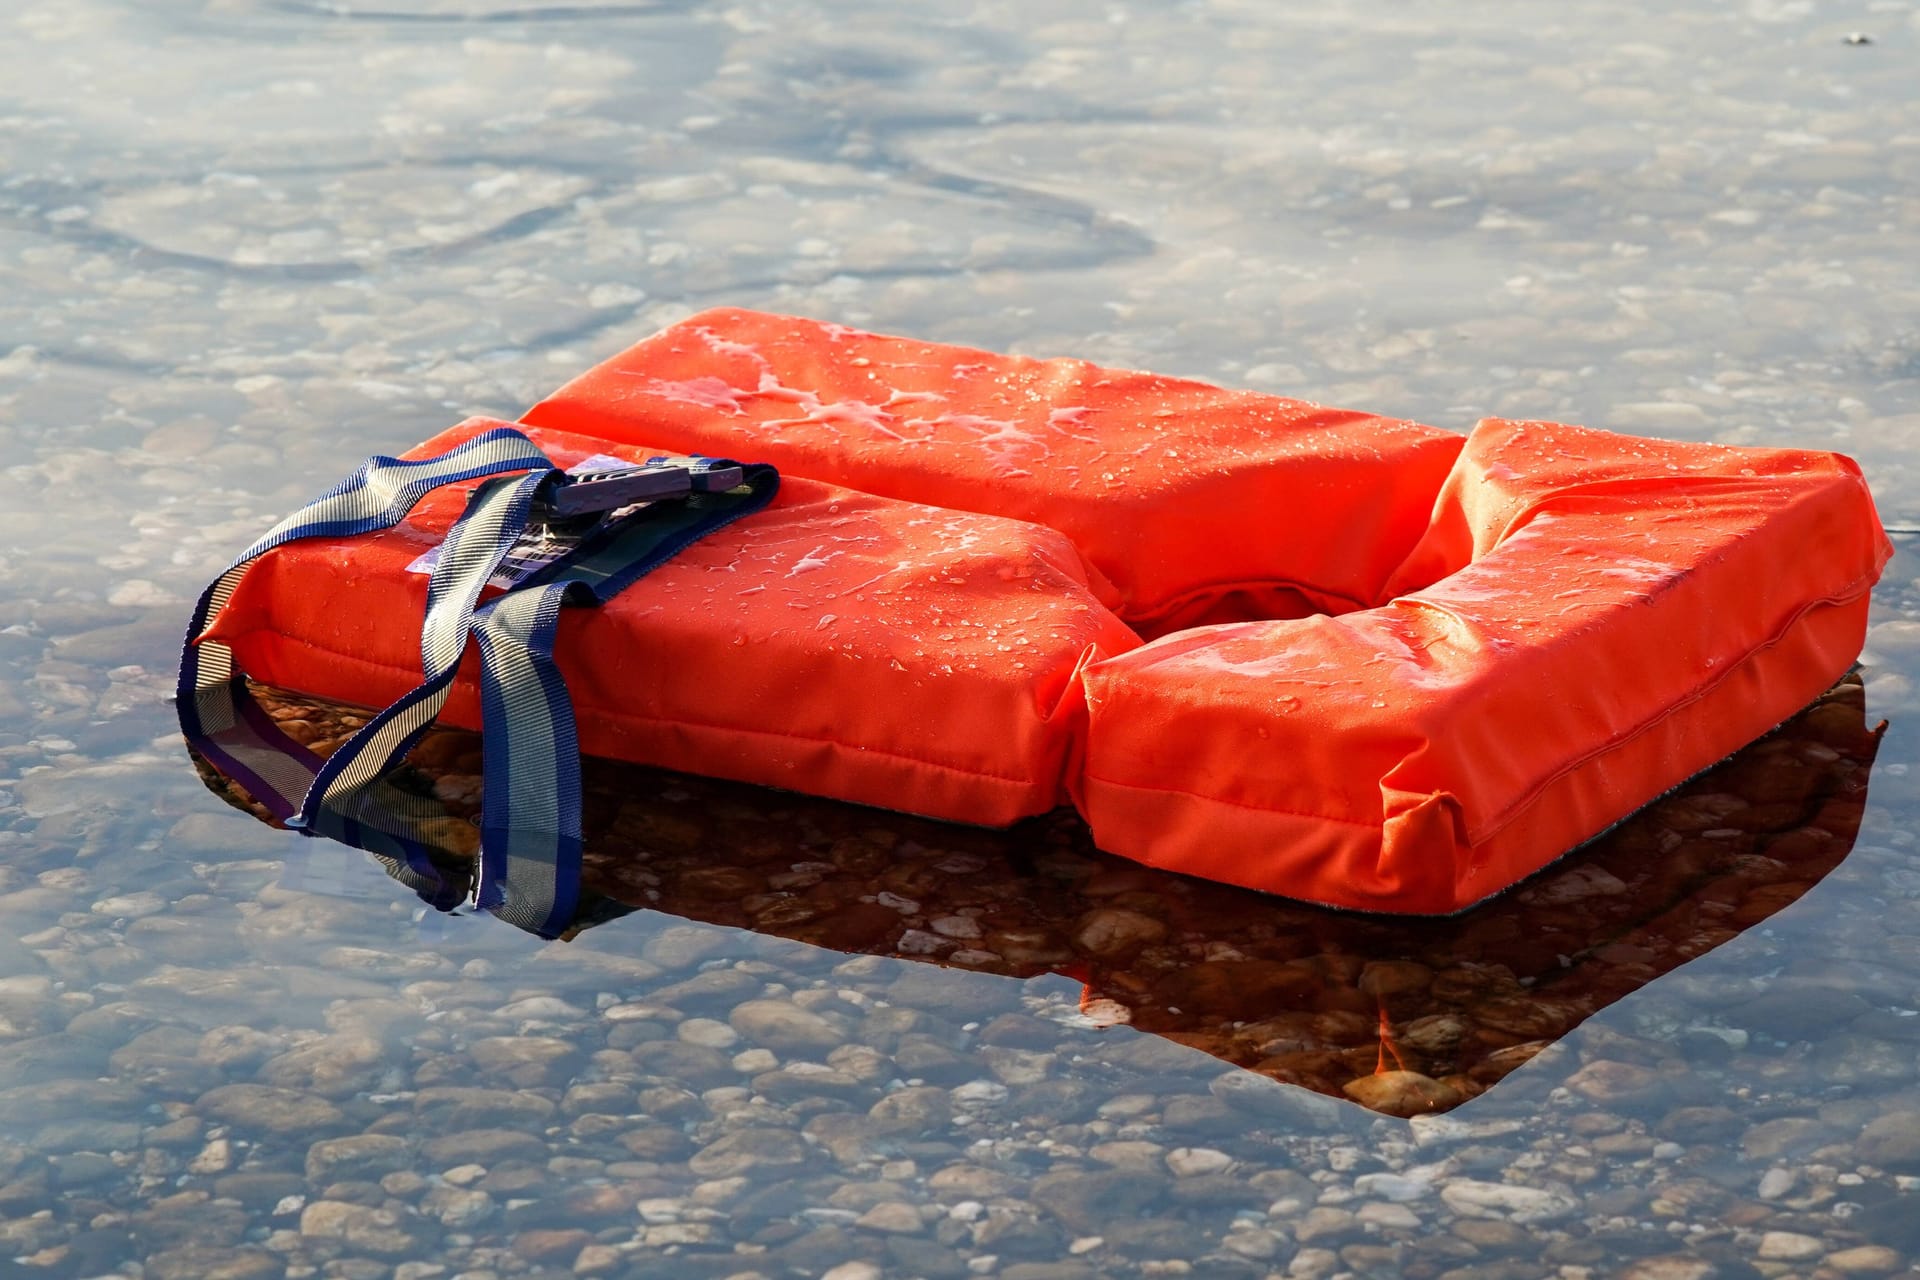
[[528, 868]]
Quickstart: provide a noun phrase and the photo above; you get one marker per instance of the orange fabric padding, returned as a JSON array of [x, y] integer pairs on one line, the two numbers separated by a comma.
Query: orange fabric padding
[[1431, 664], [837, 643], [1198, 504], [1611, 615]]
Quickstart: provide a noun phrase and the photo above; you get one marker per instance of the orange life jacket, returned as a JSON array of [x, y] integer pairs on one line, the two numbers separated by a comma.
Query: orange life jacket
[[1348, 659]]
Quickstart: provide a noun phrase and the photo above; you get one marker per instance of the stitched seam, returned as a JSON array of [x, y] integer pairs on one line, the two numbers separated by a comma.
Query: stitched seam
[[831, 742], [689, 724], [1534, 793], [1232, 804]]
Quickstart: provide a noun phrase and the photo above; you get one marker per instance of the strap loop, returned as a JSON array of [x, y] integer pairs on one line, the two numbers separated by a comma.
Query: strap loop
[[219, 717], [530, 840]]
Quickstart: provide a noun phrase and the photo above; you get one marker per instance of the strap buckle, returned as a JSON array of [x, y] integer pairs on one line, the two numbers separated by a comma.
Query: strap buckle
[[590, 493]]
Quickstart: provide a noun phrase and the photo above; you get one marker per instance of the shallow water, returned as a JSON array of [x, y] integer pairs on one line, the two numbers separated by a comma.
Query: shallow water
[[244, 244]]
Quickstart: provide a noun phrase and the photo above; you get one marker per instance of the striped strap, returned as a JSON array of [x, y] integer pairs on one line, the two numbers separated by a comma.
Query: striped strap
[[220, 718], [349, 792], [529, 872], [530, 807]]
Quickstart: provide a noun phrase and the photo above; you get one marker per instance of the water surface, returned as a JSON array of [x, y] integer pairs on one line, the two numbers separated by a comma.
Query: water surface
[[244, 244]]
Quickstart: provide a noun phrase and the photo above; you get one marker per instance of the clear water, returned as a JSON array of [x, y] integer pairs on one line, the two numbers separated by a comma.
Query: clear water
[[243, 244]]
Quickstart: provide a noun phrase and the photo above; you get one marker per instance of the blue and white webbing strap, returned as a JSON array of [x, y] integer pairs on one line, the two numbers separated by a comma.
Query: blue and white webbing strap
[[348, 791], [530, 802], [218, 715], [529, 872], [530, 799]]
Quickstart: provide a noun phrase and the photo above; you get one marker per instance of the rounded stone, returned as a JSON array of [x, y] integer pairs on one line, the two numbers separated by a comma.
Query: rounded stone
[[1403, 1093], [746, 1150], [1114, 931], [1670, 1266], [551, 1245], [333, 1066], [1892, 1142], [1188, 1162], [913, 1112], [1865, 1260], [1784, 1136], [484, 1147], [510, 1053], [783, 1027], [892, 1216], [1609, 1082], [451, 1107], [380, 1232], [1789, 1246], [1089, 1202], [198, 1262], [361, 1157], [707, 1032], [1515, 1203], [263, 1108], [853, 1271]]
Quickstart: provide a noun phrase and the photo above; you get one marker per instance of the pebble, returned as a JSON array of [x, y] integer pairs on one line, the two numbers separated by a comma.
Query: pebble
[[1187, 1162], [748, 1151], [1507, 1200], [264, 1109], [1864, 1260], [131, 906], [204, 1263], [334, 1066], [484, 1147], [1308, 1264], [358, 1158], [710, 1034], [853, 1271], [1403, 1093], [1109, 932], [380, 1232], [1393, 1186], [1615, 1083], [215, 1157], [784, 1028], [554, 1245], [1388, 1215], [912, 1112], [1323, 1223], [458, 1208], [891, 1216], [1789, 1246], [1670, 1266], [1892, 1142], [598, 1260]]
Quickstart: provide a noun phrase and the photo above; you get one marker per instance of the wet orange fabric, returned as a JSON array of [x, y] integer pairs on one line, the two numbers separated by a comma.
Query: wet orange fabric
[[1389, 667], [1590, 620], [841, 644], [1198, 504]]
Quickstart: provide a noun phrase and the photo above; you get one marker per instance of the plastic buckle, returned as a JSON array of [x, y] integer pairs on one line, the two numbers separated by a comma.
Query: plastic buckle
[[593, 493]]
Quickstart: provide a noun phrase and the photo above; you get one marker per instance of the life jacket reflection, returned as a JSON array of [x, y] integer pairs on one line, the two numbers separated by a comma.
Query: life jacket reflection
[[1404, 1016]]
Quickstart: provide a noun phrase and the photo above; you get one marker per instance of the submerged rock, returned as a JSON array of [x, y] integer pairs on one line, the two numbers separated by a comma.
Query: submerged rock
[[381, 1232], [785, 1027], [264, 1108], [1403, 1093], [1892, 1142], [1507, 1200]]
